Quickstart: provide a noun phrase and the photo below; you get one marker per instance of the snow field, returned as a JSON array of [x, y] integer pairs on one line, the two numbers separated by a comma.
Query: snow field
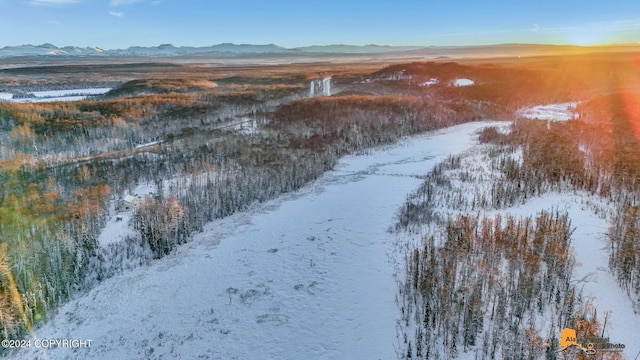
[[56, 95], [70, 92], [308, 275], [551, 112], [463, 82]]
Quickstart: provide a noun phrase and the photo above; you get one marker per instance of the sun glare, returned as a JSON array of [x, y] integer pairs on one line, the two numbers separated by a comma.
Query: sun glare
[[587, 36]]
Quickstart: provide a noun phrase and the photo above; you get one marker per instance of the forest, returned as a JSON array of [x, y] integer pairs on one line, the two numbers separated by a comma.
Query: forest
[[525, 283], [211, 141]]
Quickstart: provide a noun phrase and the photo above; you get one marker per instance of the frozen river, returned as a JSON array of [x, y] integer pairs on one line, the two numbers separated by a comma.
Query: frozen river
[[55, 95]]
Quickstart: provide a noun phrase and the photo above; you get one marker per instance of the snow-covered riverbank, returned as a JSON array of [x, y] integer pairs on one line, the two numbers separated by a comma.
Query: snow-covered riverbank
[[457, 192], [308, 275], [591, 273]]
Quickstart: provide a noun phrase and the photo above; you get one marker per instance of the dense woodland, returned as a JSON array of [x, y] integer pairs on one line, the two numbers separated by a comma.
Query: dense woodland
[[498, 286], [448, 305], [215, 141], [484, 283]]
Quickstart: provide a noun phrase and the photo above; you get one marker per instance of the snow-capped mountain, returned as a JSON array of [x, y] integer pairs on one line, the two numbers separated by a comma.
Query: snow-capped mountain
[[48, 49], [171, 50], [230, 49], [161, 50]]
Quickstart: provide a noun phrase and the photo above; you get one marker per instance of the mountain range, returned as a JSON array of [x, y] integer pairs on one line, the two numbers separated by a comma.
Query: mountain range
[[171, 50], [230, 50]]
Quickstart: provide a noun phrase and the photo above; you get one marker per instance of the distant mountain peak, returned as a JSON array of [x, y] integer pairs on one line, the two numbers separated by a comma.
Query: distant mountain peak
[[231, 49]]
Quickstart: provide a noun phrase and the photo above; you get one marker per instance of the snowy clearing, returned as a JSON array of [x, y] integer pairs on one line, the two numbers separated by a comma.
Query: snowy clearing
[[551, 112], [430, 82], [463, 82], [308, 275], [116, 229]]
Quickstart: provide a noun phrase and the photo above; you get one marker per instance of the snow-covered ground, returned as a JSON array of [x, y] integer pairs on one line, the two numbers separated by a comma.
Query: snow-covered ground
[[56, 95], [117, 228], [245, 126], [463, 82], [306, 276], [70, 92], [49, 99], [430, 82], [591, 274], [588, 215], [551, 112]]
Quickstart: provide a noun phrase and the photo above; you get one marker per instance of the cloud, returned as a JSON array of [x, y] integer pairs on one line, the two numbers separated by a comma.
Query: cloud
[[124, 2], [116, 14], [536, 27], [53, 2]]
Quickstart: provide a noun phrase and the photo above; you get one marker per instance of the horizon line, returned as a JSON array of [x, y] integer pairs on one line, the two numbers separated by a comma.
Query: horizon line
[[333, 44]]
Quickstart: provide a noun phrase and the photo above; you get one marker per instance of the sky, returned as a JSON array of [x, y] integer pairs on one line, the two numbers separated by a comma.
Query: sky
[[117, 24]]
